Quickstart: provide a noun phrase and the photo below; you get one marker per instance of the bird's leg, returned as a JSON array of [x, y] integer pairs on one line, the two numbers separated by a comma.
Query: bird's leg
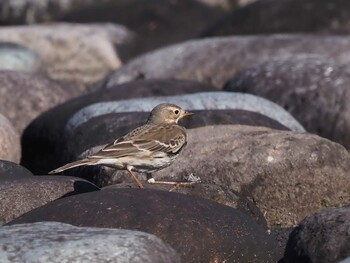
[[133, 176], [177, 184]]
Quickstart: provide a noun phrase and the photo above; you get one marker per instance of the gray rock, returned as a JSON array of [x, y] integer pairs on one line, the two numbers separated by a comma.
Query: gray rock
[[18, 58], [10, 145], [12, 170], [216, 60], [24, 96], [56, 242], [347, 260], [19, 195], [315, 90], [198, 229], [321, 237], [81, 54], [198, 101]]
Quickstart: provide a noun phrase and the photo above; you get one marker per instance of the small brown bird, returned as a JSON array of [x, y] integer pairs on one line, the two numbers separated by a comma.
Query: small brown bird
[[148, 148]]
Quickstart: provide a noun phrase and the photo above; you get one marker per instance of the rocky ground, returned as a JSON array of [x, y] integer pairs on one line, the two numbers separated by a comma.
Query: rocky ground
[[269, 82]]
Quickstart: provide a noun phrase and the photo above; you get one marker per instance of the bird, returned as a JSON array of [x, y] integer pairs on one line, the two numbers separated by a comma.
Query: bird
[[146, 149]]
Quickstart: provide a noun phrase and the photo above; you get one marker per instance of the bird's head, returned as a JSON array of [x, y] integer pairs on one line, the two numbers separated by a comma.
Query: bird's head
[[167, 113]]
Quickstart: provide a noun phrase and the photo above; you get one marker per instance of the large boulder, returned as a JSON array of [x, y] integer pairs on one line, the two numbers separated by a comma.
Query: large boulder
[[56, 242], [81, 54], [321, 237], [10, 146], [198, 229], [315, 90], [12, 170]]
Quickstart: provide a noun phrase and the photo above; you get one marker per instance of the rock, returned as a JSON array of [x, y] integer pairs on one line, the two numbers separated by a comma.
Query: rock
[[198, 101], [18, 58], [287, 16], [347, 260], [24, 96], [56, 242], [281, 234], [216, 60], [10, 147], [12, 170], [19, 195], [313, 89], [321, 237], [288, 175], [180, 220], [41, 137], [216, 193], [80, 54]]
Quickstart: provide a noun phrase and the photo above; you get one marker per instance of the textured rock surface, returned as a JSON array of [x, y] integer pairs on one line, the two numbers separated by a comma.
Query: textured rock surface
[[12, 170], [198, 101], [56, 242], [313, 89], [321, 237], [216, 60], [24, 96], [280, 16], [111, 126], [40, 139], [182, 221], [18, 58], [75, 53], [10, 147], [20, 195]]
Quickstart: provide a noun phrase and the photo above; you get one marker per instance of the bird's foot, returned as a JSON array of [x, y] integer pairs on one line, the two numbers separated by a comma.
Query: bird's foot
[[190, 181]]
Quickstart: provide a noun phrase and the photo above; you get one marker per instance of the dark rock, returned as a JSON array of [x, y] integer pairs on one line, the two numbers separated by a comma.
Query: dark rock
[[216, 193], [315, 90], [12, 170], [10, 147], [286, 16], [80, 54], [113, 125], [25, 96], [40, 138], [18, 58], [19, 195], [56, 242], [281, 234], [182, 221], [321, 237], [216, 60]]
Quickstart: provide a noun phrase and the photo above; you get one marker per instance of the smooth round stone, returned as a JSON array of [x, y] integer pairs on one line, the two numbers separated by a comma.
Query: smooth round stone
[[275, 16], [18, 58], [56, 242], [114, 125], [315, 90], [24, 96], [183, 221], [216, 60], [10, 145], [80, 54], [10, 170], [19, 195], [42, 135], [320, 237], [198, 101]]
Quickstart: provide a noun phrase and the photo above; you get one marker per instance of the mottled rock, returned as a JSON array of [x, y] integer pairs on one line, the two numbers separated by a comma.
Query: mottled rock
[[216, 193], [182, 221], [216, 60], [321, 237], [10, 147], [113, 125], [12, 170], [56, 242], [24, 96], [41, 137], [198, 101], [315, 90], [18, 58], [19, 195], [81, 54], [286, 16]]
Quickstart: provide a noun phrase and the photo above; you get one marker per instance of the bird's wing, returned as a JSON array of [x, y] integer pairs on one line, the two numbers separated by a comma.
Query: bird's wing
[[157, 138]]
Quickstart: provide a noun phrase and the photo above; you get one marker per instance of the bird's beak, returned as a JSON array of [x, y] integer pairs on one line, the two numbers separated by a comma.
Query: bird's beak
[[186, 113]]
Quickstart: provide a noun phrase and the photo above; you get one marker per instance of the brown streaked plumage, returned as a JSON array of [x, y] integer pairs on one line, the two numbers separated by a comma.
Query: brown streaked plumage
[[148, 148]]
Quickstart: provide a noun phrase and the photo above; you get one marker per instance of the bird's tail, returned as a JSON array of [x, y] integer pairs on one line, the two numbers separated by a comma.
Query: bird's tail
[[73, 164]]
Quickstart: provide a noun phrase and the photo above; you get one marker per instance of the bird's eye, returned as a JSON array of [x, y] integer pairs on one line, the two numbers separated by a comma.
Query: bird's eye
[[176, 112]]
